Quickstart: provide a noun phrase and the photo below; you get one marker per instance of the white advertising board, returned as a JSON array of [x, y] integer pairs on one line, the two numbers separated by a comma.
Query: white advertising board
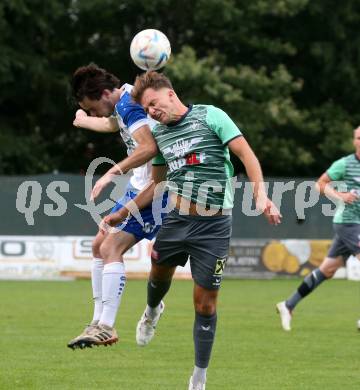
[[33, 257]]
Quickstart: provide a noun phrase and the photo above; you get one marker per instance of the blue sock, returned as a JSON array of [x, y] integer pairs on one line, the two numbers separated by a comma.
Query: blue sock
[[156, 291], [204, 335], [310, 282]]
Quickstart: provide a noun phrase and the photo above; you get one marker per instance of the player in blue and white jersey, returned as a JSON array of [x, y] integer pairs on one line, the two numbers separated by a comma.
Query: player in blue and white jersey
[[106, 106]]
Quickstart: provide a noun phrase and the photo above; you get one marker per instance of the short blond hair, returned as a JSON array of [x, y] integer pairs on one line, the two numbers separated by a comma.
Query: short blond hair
[[149, 79]]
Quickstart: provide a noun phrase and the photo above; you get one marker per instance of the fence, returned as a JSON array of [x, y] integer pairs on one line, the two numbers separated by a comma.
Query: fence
[[46, 231]]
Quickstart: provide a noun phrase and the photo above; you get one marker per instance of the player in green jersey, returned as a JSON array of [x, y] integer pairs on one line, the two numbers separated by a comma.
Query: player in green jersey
[[346, 227], [194, 143]]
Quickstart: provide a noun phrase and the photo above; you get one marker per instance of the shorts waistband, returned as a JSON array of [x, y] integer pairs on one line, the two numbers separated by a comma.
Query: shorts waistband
[[188, 208], [176, 211]]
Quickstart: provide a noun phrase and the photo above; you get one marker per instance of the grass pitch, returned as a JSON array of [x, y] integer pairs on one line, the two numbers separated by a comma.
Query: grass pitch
[[250, 352]]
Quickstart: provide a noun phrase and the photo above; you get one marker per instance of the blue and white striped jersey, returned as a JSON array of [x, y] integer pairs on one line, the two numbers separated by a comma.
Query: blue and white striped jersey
[[130, 117]]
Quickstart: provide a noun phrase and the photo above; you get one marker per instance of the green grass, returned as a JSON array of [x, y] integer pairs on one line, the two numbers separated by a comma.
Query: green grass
[[251, 351]]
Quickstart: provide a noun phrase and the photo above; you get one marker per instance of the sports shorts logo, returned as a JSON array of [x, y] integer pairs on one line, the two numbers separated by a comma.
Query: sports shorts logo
[[220, 265], [148, 228]]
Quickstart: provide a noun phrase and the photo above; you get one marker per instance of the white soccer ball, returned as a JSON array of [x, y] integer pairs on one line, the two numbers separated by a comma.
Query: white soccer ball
[[150, 49]]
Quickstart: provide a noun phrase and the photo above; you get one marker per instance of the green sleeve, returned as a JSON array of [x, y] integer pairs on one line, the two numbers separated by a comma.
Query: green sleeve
[[337, 170], [220, 122], [159, 160]]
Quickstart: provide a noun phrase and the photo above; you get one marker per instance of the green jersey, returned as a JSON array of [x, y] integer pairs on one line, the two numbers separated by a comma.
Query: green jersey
[[196, 153], [347, 170]]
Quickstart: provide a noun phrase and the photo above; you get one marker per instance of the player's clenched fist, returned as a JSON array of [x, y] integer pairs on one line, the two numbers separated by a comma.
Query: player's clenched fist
[[79, 118]]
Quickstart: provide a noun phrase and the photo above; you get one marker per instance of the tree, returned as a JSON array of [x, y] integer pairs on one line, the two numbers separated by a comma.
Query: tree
[[284, 70]]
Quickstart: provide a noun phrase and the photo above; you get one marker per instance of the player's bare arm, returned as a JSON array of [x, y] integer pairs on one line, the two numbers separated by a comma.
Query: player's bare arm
[[145, 150], [144, 198], [323, 185], [243, 151], [99, 124]]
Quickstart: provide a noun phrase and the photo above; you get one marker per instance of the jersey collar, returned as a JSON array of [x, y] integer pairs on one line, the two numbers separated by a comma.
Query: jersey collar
[[172, 124]]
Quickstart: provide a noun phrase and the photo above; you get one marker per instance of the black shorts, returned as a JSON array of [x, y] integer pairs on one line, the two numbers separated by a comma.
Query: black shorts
[[202, 239], [346, 241]]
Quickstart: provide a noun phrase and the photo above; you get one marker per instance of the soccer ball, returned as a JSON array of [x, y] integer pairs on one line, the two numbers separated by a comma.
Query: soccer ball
[[150, 49]]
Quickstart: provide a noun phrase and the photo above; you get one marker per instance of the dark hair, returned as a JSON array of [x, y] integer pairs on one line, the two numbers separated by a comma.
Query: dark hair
[[150, 79], [90, 81]]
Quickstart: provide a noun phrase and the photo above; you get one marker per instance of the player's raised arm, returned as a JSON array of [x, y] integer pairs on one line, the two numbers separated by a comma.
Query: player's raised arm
[[145, 197], [323, 185], [145, 150], [99, 124], [241, 148]]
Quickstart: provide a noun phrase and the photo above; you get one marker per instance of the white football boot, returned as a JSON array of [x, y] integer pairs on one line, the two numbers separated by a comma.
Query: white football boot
[[145, 328], [358, 325], [285, 315], [199, 386]]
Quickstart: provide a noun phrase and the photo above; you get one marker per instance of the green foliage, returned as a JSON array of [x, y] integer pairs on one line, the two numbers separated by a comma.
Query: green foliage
[[259, 101], [24, 154], [286, 71]]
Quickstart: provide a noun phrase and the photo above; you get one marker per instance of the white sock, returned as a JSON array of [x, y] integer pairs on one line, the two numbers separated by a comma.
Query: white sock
[[199, 375], [96, 282], [152, 312], [113, 285]]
